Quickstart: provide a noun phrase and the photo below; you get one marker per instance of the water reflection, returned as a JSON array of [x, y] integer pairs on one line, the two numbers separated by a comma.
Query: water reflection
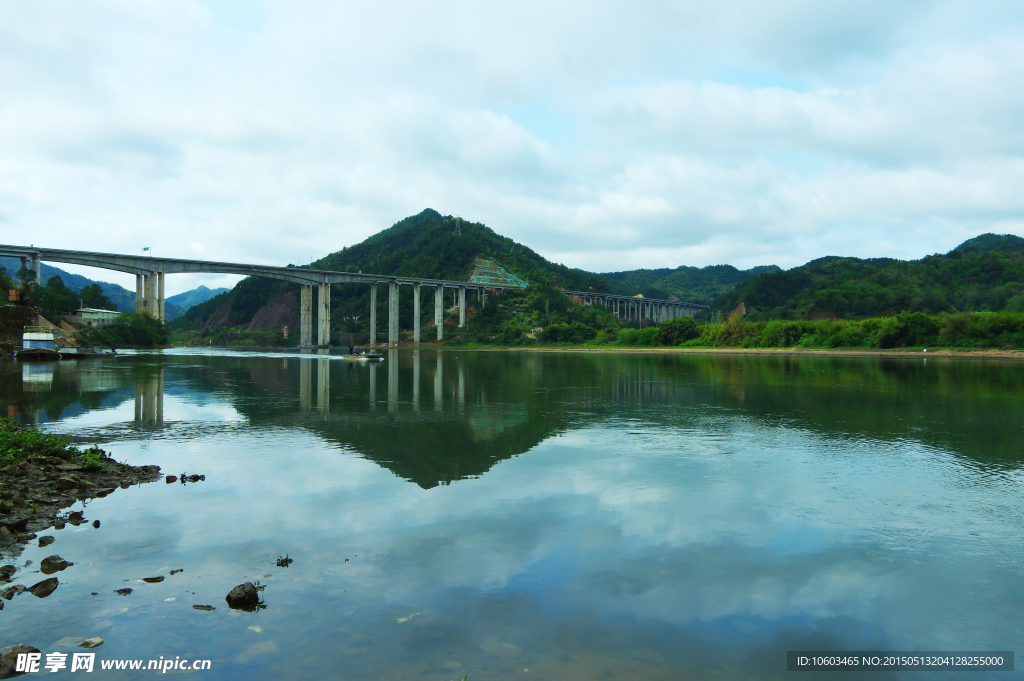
[[624, 517], [149, 398]]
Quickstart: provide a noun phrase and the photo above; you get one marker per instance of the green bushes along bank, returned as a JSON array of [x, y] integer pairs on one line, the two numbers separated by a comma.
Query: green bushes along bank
[[956, 330]]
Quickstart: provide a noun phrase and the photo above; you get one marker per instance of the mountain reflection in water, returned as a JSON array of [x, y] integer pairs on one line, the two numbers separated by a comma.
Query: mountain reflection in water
[[573, 516]]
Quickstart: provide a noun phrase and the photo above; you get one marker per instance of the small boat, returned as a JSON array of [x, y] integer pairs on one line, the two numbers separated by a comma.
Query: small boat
[[364, 358], [37, 354], [37, 344]]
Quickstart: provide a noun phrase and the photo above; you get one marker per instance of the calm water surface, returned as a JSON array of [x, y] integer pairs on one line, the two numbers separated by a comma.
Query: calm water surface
[[536, 516]]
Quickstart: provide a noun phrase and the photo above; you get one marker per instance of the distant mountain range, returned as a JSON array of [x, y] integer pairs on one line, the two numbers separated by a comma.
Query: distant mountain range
[[689, 284], [198, 295], [122, 298]]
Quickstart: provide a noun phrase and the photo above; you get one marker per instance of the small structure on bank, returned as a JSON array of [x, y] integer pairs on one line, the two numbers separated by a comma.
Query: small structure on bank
[[92, 317]]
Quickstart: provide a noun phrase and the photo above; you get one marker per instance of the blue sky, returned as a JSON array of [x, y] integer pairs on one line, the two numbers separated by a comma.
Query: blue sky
[[604, 135]]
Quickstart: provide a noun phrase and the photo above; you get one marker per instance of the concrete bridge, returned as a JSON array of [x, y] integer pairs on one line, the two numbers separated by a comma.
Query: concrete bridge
[[149, 286], [633, 308]]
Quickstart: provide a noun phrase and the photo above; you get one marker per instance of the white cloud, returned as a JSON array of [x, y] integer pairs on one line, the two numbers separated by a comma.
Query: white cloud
[[603, 134]]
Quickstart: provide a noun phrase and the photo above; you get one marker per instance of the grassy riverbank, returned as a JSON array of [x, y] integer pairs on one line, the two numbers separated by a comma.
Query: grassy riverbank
[[19, 444]]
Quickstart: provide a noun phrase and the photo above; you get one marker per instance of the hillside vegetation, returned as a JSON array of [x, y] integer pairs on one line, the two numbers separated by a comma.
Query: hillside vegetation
[[424, 245], [699, 285], [982, 274]]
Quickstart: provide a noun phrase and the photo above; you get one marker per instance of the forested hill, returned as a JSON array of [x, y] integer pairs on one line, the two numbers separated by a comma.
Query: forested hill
[[985, 273], [691, 284], [424, 245]]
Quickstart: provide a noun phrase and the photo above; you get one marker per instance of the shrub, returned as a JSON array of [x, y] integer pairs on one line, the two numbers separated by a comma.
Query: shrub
[[677, 331], [628, 336]]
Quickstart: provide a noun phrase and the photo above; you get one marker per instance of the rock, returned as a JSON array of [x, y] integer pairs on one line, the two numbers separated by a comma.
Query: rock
[[12, 591], [7, 571], [6, 536], [44, 588], [285, 562], [123, 592], [203, 607], [46, 541], [1, 605], [243, 597], [171, 478], [76, 518], [174, 572], [16, 526], [52, 564], [65, 484], [9, 659], [153, 580], [91, 642], [96, 524], [69, 467]]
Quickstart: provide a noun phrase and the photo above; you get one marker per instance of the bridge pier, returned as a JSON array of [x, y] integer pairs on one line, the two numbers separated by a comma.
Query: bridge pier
[[439, 311], [416, 317], [373, 315], [393, 314], [151, 294], [324, 320], [306, 316], [160, 296], [462, 306]]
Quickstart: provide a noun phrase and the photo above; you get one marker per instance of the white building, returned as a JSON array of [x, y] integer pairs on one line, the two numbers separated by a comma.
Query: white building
[[90, 316]]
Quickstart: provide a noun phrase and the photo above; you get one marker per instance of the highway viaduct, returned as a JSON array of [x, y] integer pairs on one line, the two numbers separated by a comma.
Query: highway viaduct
[[149, 289]]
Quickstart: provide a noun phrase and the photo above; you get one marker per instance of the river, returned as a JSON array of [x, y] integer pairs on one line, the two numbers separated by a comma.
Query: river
[[535, 515]]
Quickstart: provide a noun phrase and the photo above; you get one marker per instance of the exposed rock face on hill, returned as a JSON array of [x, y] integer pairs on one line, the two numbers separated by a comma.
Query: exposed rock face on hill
[[282, 310]]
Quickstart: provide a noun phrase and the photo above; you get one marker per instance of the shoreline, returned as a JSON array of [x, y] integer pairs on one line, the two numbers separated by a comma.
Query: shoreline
[[947, 353], [813, 352]]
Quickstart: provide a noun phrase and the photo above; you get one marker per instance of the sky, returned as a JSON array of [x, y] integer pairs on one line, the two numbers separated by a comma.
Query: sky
[[606, 136]]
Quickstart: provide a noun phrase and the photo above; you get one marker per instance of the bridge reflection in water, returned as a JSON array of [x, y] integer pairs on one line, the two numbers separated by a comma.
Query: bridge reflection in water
[[488, 407], [392, 365], [149, 399]]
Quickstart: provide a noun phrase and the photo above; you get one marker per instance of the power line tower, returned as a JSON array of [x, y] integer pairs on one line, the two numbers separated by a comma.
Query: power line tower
[[458, 226]]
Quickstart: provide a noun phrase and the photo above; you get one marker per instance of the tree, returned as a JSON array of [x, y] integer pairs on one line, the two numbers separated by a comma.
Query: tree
[[93, 296], [56, 297], [677, 331]]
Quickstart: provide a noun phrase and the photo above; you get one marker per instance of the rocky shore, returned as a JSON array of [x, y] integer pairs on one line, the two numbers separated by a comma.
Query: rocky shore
[[42, 475]]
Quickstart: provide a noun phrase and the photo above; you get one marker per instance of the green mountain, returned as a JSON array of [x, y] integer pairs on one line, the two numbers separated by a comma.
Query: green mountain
[[690, 284], [985, 273], [424, 245], [189, 299]]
